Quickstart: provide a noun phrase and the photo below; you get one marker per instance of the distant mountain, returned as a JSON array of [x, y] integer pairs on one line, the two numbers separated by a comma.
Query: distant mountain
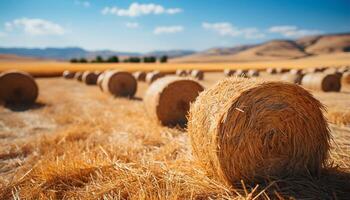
[[75, 52], [274, 50]]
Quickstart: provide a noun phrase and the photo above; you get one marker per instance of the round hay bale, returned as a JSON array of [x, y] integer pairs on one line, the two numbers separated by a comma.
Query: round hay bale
[[18, 88], [254, 130], [152, 76], [322, 81], [296, 71], [292, 78], [140, 75], [271, 70], [90, 78], [78, 76], [168, 99], [68, 74], [315, 69], [241, 72], [119, 83], [282, 70], [229, 72], [99, 81], [253, 73], [181, 73], [197, 74]]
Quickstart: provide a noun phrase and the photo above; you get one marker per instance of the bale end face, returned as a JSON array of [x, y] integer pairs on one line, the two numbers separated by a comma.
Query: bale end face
[[90, 78], [119, 83], [140, 75], [18, 88], [229, 72], [168, 100], [197, 74], [253, 130], [68, 74], [153, 76]]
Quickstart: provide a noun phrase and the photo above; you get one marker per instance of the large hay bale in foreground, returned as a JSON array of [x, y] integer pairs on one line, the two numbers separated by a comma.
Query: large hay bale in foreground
[[18, 88], [254, 130], [168, 99], [140, 75], [322, 81], [90, 78], [229, 72], [292, 78], [197, 74], [68, 74], [119, 83], [152, 76], [181, 73], [78, 76]]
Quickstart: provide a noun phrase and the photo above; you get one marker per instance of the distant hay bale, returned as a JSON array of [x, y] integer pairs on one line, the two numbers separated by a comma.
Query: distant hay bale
[[254, 130], [168, 99], [241, 72], [229, 72], [90, 78], [197, 74], [292, 78], [78, 76], [282, 70], [315, 69], [140, 75], [181, 73], [119, 83], [296, 71], [18, 88], [322, 81], [68, 74], [152, 76], [271, 70], [253, 73]]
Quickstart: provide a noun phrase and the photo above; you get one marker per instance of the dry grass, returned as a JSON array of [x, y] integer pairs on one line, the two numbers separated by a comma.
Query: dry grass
[[52, 68], [75, 143]]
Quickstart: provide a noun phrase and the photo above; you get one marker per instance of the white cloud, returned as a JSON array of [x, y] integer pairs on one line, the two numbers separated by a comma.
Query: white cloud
[[132, 24], [167, 29], [3, 34], [227, 29], [136, 9], [85, 4], [35, 26], [292, 31]]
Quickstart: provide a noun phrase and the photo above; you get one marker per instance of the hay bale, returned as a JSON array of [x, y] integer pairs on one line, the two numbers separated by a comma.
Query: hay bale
[[282, 70], [271, 70], [253, 130], [152, 76], [322, 81], [296, 71], [197, 74], [68, 74], [181, 73], [119, 83], [241, 72], [78, 76], [315, 69], [168, 99], [253, 73], [292, 78], [18, 88], [229, 72], [90, 78], [140, 75]]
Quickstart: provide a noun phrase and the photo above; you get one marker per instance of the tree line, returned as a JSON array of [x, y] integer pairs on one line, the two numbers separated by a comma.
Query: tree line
[[115, 59]]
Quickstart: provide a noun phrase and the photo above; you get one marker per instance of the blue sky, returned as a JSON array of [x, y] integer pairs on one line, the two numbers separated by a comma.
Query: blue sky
[[142, 26]]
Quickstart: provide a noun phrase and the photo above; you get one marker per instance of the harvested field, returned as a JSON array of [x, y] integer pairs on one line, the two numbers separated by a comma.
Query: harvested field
[[78, 142]]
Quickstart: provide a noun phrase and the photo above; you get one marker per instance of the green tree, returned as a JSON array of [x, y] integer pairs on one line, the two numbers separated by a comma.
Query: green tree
[[164, 59], [113, 59], [73, 60], [82, 60], [99, 59], [134, 59], [150, 59]]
